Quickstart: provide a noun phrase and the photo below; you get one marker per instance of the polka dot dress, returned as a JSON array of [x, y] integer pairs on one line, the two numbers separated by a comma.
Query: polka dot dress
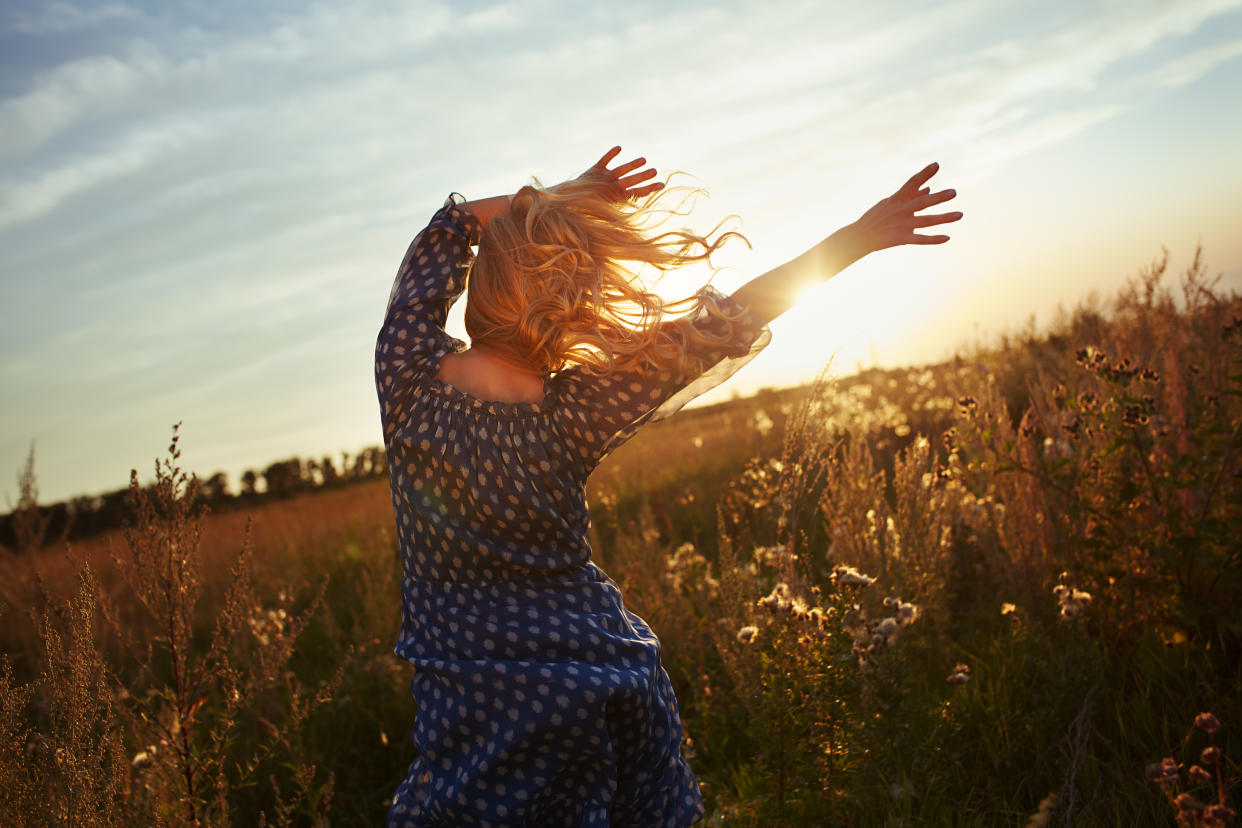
[[541, 698]]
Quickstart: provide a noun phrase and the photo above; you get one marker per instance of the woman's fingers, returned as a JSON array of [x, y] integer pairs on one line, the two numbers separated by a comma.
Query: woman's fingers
[[630, 181], [629, 184], [937, 218], [916, 181], [602, 163], [930, 200], [626, 168], [915, 238]]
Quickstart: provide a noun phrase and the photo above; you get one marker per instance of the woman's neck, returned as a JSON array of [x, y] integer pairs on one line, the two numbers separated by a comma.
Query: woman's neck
[[502, 359], [487, 375]]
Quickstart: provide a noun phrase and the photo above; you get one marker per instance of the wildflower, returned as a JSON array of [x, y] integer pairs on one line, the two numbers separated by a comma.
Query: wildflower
[[815, 615], [1207, 723], [887, 627], [1162, 771], [143, 757], [686, 569], [1057, 449], [1008, 609], [1134, 416], [1221, 814], [1210, 756], [769, 555], [1040, 818], [777, 599], [1071, 600], [960, 674], [849, 576], [1199, 776], [747, 634], [907, 612], [1187, 805]]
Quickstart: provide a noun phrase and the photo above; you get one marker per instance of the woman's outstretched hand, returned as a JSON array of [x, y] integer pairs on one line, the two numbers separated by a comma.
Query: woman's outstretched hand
[[889, 223], [892, 221], [629, 184]]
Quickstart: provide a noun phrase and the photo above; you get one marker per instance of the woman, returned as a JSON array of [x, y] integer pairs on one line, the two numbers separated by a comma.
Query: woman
[[541, 699]]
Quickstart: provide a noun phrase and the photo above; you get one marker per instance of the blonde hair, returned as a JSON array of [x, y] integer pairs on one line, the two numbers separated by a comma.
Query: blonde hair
[[555, 282]]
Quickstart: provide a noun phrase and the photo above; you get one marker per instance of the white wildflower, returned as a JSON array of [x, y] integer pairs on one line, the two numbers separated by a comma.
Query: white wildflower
[[849, 576], [1072, 601], [144, 757]]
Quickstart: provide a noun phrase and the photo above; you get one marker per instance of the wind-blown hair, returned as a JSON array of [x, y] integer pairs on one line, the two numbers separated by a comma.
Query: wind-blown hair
[[555, 282]]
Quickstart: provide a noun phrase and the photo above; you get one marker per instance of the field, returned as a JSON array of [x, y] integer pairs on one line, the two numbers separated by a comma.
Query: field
[[1000, 590]]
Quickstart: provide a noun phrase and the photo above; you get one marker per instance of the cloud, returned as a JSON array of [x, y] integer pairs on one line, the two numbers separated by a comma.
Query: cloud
[[61, 18], [1188, 68], [73, 92], [43, 194], [233, 181]]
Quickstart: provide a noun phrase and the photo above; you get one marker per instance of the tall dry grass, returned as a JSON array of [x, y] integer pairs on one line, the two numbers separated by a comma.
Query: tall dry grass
[[988, 591], [154, 706]]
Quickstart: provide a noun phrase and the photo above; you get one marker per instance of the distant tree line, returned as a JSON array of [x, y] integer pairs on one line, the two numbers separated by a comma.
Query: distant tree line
[[29, 525]]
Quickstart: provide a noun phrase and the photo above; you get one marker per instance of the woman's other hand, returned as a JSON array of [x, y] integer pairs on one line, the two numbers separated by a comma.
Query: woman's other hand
[[892, 221], [629, 184]]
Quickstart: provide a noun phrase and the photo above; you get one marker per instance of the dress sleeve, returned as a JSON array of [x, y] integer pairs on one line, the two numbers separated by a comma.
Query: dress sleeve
[[431, 277], [600, 412]]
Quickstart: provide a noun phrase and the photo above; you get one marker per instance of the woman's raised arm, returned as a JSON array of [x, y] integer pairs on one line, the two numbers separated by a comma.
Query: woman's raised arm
[[891, 222]]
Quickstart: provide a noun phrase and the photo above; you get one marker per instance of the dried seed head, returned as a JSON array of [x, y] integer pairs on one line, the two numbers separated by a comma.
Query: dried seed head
[[1220, 814], [747, 634], [960, 674], [1187, 804], [1199, 776], [1162, 771], [849, 576], [1207, 722], [1210, 756]]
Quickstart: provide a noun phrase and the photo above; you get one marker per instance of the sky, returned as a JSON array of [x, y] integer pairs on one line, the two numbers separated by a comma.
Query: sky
[[203, 204]]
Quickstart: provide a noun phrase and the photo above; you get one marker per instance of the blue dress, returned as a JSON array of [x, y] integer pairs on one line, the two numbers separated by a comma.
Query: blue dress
[[541, 699]]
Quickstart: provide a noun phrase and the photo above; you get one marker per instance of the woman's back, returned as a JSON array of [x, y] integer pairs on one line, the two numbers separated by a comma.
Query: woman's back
[[541, 699], [485, 378]]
